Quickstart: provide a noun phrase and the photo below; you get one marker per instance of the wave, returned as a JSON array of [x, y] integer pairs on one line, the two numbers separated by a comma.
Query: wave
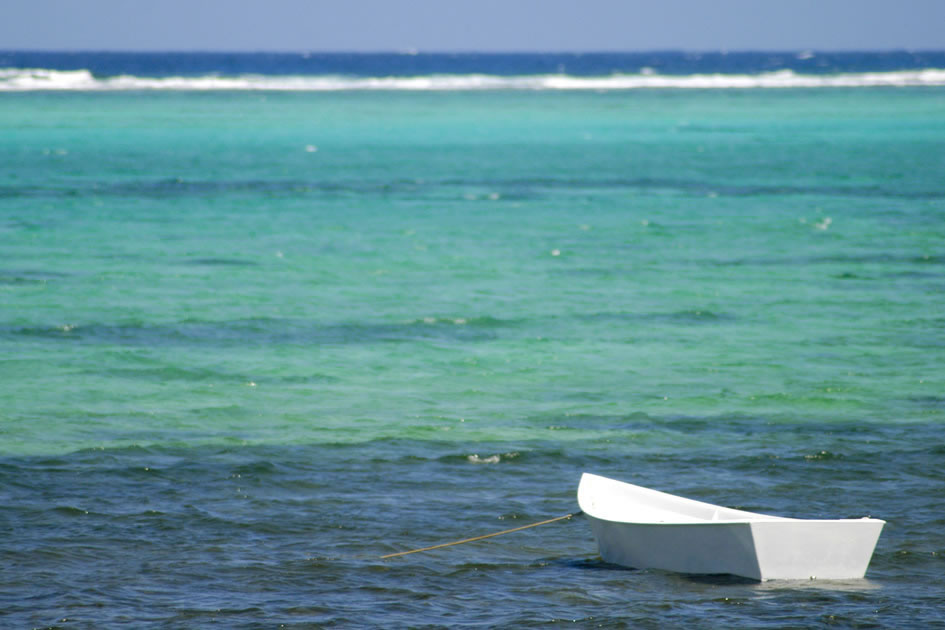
[[265, 331], [35, 79], [507, 188]]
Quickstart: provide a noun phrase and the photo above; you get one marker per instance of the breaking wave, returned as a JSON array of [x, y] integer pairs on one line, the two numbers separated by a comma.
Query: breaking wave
[[33, 79]]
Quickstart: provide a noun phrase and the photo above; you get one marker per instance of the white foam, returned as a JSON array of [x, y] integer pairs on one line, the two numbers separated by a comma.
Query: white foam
[[823, 225], [475, 459], [16, 79]]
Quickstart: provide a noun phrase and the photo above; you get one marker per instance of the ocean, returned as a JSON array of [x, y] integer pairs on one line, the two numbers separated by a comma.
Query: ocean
[[267, 317]]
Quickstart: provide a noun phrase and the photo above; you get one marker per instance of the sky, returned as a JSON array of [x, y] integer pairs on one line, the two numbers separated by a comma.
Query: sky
[[472, 25]]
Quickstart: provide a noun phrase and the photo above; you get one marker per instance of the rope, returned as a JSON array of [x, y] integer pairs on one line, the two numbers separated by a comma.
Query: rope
[[468, 540]]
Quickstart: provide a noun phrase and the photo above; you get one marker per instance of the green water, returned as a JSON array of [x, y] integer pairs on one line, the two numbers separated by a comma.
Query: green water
[[714, 292]]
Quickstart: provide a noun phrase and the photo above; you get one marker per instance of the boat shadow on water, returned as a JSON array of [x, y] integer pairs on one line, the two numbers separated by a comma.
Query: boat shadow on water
[[598, 564]]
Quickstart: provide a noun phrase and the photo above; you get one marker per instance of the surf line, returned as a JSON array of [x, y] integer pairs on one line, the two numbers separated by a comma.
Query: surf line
[[474, 539]]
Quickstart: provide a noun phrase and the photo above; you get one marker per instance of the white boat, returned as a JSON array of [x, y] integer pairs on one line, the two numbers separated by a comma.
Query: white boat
[[646, 529]]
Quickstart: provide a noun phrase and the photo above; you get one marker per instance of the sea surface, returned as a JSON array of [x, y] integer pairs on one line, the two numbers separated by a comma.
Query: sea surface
[[265, 318]]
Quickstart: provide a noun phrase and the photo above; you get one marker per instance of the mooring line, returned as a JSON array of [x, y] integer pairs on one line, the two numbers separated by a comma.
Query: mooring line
[[468, 540]]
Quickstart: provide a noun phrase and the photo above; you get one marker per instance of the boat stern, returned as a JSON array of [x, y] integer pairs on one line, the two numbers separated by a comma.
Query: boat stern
[[821, 549]]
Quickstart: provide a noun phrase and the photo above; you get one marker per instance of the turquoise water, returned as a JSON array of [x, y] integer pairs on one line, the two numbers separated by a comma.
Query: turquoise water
[[251, 341]]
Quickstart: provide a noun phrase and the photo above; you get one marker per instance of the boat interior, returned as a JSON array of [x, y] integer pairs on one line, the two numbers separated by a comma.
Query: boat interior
[[613, 500]]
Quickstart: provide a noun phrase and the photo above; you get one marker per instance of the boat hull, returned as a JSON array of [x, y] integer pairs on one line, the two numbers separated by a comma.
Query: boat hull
[[759, 551], [755, 546]]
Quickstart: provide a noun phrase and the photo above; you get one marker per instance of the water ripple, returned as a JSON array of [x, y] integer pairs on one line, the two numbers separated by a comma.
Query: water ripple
[[260, 331], [514, 188]]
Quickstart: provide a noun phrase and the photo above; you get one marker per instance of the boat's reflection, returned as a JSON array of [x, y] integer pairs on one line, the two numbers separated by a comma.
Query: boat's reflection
[[722, 580], [855, 585]]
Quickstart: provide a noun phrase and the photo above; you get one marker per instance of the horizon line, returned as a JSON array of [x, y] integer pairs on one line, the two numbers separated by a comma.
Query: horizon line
[[417, 52]]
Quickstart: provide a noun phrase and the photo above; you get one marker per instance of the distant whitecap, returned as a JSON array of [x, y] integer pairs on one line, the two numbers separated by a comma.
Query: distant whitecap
[[492, 459], [30, 79]]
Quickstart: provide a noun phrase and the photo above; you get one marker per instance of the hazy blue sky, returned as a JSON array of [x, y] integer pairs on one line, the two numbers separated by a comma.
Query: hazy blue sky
[[472, 25]]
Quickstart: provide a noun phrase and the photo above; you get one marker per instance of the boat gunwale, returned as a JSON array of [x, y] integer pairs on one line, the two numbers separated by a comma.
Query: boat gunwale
[[745, 521]]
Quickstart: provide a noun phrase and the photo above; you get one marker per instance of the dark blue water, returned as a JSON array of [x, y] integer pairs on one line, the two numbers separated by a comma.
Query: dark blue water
[[105, 64]]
